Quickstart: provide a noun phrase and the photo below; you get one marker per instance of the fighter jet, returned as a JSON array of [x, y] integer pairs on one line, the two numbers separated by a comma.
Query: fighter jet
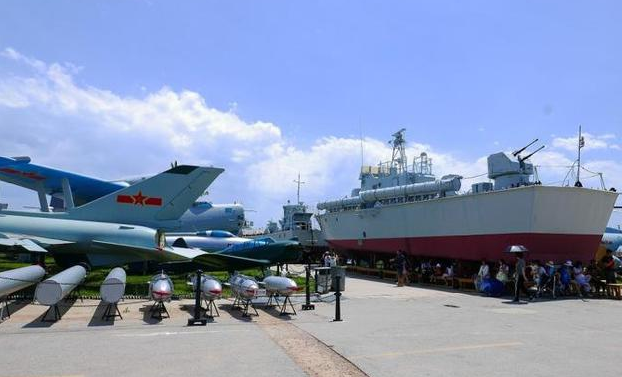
[[209, 240], [225, 252], [98, 234], [69, 189]]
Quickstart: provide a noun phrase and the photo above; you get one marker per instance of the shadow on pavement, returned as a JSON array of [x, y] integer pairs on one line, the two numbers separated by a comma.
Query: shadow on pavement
[[96, 319], [13, 307], [237, 312], [148, 314], [48, 315], [189, 308]]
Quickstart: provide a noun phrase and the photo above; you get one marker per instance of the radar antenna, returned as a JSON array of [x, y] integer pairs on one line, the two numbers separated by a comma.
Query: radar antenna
[[398, 158]]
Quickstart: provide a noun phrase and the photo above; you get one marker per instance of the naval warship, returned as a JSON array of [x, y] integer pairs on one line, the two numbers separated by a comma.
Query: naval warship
[[401, 207], [297, 225]]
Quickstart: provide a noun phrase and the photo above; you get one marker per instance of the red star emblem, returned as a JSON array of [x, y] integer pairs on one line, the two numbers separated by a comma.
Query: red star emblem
[[139, 199]]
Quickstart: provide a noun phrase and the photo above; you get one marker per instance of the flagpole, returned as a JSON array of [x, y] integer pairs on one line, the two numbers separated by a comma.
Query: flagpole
[[578, 183]]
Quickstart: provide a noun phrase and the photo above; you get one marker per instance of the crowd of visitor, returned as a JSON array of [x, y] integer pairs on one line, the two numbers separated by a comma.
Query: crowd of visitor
[[533, 278]]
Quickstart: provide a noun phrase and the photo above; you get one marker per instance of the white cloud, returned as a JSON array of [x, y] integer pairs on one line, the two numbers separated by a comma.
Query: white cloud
[[47, 115], [591, 142]]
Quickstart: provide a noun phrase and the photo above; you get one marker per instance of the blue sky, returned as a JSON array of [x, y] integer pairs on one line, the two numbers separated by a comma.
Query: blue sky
[[301, 81]]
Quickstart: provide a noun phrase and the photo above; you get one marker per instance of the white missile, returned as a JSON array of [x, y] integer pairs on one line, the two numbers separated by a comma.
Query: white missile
[[113, 287], [53, 289], [14, 280], [280, 285], [243, 287], [161, 287], [211, 289]]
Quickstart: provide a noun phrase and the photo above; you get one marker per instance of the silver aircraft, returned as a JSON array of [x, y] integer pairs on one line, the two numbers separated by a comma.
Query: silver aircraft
[[98, 234], [67, 189]]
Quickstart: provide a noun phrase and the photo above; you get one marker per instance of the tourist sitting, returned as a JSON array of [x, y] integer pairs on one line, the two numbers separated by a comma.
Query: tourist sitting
[[582, 280], [565, 277], [426, 271], [504, 272], [437, 273], [542, 276], [596, 274], [448, 276]]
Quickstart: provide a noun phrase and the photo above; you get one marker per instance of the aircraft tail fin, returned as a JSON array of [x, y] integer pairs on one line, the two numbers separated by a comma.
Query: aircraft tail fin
[[165, 196]]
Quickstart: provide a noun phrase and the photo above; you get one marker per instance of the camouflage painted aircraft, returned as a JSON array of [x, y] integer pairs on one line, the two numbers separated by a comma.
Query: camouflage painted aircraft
[[221, 245], [68, 189]]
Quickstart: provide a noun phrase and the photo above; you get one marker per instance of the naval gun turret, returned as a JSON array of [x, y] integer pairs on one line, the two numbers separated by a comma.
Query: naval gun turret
[[508, 173]]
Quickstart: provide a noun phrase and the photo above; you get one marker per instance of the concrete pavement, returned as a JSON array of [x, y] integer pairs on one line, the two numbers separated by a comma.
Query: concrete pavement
[[387, 331]]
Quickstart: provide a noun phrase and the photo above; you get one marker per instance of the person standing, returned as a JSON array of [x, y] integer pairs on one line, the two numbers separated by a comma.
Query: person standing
[[520, 278], [333, 260], [482, 274], [326, 259], [400, 266], [609, 267]]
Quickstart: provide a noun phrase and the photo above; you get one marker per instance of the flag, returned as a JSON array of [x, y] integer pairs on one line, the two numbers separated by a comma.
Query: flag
[[581, 142]]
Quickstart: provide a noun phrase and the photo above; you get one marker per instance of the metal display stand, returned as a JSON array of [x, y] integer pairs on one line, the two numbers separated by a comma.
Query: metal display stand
[[307, 305], [211, 308], [54, 309], [112, 311], [244, 305], [198, 319], [4, 302], [158, 311], [282, 307]]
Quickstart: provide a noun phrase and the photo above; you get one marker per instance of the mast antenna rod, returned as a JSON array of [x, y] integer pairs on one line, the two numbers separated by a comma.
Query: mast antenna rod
[[299, 182], [581, 143]]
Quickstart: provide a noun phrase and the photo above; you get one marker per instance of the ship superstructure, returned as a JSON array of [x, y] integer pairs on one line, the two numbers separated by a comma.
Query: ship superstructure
[[401, 207], [296, 224]]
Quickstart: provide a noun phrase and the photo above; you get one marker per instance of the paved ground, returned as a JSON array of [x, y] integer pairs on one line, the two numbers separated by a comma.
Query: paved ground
[[387, 331], [408, 331]]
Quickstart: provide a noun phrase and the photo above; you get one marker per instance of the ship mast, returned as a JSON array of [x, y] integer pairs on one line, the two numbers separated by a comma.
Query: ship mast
[[398, 158], [581, 144], [299, 182]]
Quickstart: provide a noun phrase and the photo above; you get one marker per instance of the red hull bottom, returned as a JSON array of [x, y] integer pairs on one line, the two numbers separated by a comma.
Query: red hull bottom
[[545, 247]]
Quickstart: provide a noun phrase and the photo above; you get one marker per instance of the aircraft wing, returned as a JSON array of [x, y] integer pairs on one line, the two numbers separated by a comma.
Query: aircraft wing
[[22, 172], [216, 261], [16, 243], [167, 254]]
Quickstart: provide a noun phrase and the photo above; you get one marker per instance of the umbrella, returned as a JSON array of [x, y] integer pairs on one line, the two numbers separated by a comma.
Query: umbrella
[[516, 249]]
